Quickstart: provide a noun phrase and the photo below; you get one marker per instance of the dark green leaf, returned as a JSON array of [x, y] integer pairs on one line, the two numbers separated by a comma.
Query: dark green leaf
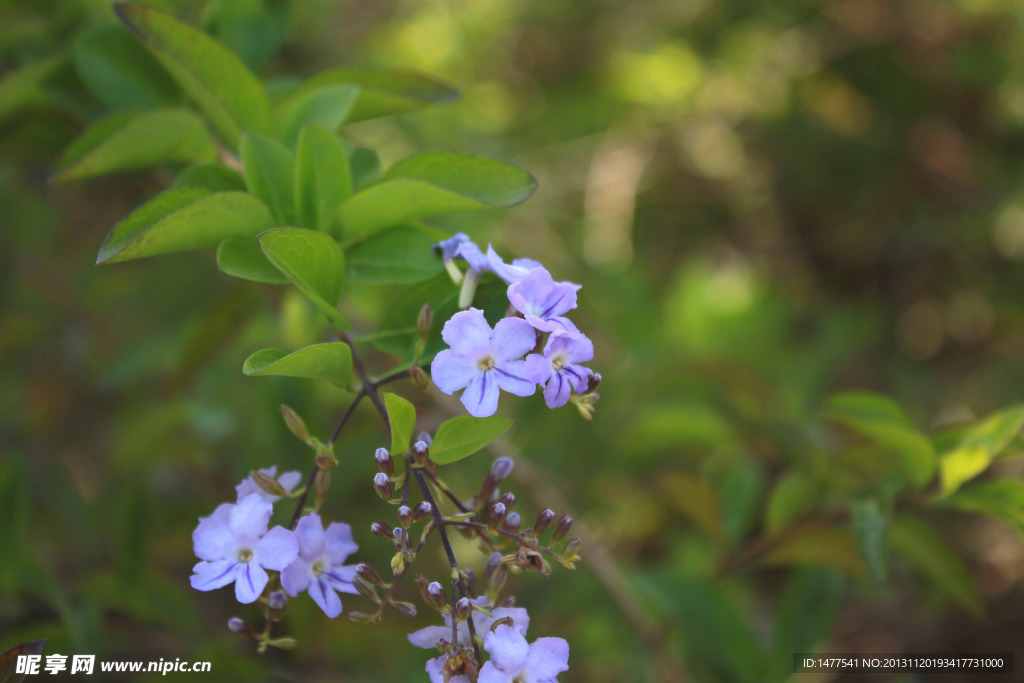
[[365, 165], [313, 262], [401, 255], [1002, 498], [269, 170], [327, 107], [331, 361], [125, 141], [870, 524], [980, 445], [25, 87], [923, 547], [121, 72], [181, 219], [242, 257], [794, 496], [385, 92], [322, 180], [829, 547], [225, 90], [808, 609], [402, 416], [461, 437], [214, 177]]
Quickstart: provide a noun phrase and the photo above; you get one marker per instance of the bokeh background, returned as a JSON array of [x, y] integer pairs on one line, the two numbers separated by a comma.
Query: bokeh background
[[765, 202]]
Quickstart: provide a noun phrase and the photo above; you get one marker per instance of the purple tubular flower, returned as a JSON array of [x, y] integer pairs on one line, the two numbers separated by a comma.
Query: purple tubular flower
[[483, 361], [448, 249], [558, 370], [319, 567], [288, 481], [478, 265], [429, 637], [543, 302], [512, 659], [510, 273], [235, 547]]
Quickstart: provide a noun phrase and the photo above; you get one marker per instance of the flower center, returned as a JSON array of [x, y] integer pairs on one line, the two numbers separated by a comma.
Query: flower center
[[319, 567], [245, 555], [485, 364], [558, 361]]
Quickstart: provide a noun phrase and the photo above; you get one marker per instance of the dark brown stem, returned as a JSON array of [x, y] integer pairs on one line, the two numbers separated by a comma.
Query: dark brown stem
[[483, 528]]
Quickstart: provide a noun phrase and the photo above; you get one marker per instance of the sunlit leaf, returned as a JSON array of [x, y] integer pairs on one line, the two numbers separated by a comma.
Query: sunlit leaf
[[313, 262], [322, 179], [1003, 498], [269, 170], [242, 257], [402, 416], [463, 436], [214, 177], [400, 255], [326, 107], [383, 92], [980, 445], [331, 361]]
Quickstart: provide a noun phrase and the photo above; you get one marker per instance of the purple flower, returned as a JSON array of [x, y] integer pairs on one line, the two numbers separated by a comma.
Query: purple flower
[[235, 546], [429, 637], [510, 273], [450, 246], [473, 256], [288, 481], [542, 301], [319, 567], [435, 669], [557, 369], [483, 361], [513, 660]]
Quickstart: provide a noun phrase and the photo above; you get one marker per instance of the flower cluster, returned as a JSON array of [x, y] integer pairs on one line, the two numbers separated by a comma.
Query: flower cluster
[[235, 546], [486, 361]]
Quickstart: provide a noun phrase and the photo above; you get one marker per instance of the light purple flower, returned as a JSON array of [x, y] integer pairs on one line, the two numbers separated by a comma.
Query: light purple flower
[[471, 253], [319, 567], [288, 481], [543, 302], [435, 669], [429, 637], [235, 546], [557, 368], [515, 661], [450, 246], [513, 272], [483, 361]]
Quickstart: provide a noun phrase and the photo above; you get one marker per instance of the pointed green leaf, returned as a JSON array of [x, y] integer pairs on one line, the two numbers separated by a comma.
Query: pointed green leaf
[[122, 73], [461, 437], [269, 170], [331, 361], [313, 262], [696, 499], [327, 106], [125, 141], [385, 92], [432, 184], [25, 87], [793, 497], [402, 416], [923, 547], [870, 525], [828, 547], [242, 257], [181, 219], [980, 445], [322, 180], [365, 165], [809, 606], [402, 255], [214, 177], [1003, 498], [217, 80]]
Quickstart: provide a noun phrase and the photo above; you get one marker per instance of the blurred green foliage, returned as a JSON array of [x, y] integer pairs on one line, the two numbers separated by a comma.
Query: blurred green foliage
[[768, 204]]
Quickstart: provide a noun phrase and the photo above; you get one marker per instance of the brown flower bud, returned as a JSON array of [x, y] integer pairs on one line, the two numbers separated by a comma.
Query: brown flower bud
[[419, 378], [384, 462], [325, 460], [321, 484], [509, 499], [425, 321], [463, 609], [405, 608], [420, 452], [405, 516], [562, 528], [432, 593], [382, 485], [498, 512], [365, 588], [421, 511], [295, 424], [268, 484], [382, 530], [544, 520], [370, 575]]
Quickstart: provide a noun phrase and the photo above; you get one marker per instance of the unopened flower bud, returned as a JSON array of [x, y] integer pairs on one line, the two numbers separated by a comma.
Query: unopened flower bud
[[544, 520], [240, 627], [363, 617], [512, 522], [420, 452], [463, 609], [398, 533], [498, 512], [277, 600], [562, 528], [283, 643], [496, 574], [426, 438], [419, 378], [571, 547], [382, 485], [433, 595], [365, 588], [321, 484], [593, 382], [469, 579], [295, 424], [425, 321], [508, 498], [405, 516], [381, 530], [268, 484], [407, 609], [384, 462], [421, 511], [369, 574], [326, 460], [501, 468]]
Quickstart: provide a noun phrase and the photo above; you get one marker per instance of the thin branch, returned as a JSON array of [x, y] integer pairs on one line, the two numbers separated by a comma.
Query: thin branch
[[483, 528]]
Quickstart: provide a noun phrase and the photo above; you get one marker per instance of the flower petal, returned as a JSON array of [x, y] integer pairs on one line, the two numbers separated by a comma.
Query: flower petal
[[310, 534], [467, 332], [513, 338], [248, 520], [340, 578], [277, 549], [208, 576], [557, 391], [212, 540], [339, 543], [430, 636], [248, 487], [576, 347], [577, 376], [548, 657], [324, 596], [537, 368], [449, 246], [289, 480], [560, 323], [452, 372], [250, 582], [492, 674], [520, 619], [511, 377], [508, 649], [296, 577], [481, 396]]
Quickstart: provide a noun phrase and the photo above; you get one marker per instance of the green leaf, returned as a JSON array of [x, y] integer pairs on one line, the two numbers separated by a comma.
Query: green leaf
[[322, 180], [181, 219], [242, 257], [870, 524], [1002, 498], [884, 422], [385, 92], [214, 177], [331, 361], [269, 170], [979, 447], [313, 262], [327, 107], [923, 547], [365, 165], [400, 255], [829, 547], [9, 660], [125, 141], [121, 72], [26, 87], [739, 486], [809, 606], [402, 416], [793, 497], [463, 436], [696, 499], [219, 83], [431, 184]]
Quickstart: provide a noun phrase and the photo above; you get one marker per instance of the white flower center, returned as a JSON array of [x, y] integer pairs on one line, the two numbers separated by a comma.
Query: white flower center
[[485, 364], [244, 555], [559, 361], [319, 567]]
